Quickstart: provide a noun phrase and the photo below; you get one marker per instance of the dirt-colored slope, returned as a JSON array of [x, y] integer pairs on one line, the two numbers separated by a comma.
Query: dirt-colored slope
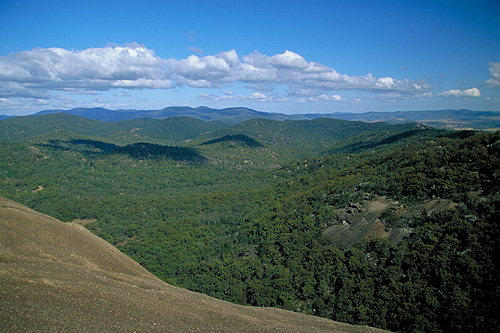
[[57, 276]]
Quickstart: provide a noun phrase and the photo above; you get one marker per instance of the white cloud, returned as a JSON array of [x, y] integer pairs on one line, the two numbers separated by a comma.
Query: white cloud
[[336, 98], [395, 96], [495, 73], [321, 98], [21, 106], [40, 72], [256, 96], [289, 69], [34, 73], [289, 60], [261, 86], [259, 97], [208, 72], [10, 89], [451, 94], [457, 93]]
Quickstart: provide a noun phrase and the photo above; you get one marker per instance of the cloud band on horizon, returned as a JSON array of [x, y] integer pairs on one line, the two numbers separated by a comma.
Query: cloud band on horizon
[[38, 72]]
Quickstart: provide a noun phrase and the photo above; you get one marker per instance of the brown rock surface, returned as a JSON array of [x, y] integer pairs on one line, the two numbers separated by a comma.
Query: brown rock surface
[[57, 276]]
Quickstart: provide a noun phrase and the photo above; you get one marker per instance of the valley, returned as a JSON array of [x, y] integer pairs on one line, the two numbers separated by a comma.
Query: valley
[[393, 226]]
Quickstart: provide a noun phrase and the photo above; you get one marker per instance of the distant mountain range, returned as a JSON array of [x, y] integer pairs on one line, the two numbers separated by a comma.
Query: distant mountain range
[[229, 115], [451, 119]]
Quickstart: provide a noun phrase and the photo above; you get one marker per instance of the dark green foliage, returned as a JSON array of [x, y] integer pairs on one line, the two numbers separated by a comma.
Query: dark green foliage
[[171, 130], [385, 139], [178, 129], [136, 150], [244, 139], [246, 224], [18, 128]]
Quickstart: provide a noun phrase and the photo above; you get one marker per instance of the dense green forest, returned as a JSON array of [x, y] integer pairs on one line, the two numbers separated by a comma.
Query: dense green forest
[[252, 213]]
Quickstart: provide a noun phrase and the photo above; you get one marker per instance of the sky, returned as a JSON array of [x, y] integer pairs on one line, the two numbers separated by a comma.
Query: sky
[[276, 56]]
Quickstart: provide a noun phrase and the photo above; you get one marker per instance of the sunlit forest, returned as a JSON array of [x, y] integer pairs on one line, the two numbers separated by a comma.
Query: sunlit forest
[[391, 226]]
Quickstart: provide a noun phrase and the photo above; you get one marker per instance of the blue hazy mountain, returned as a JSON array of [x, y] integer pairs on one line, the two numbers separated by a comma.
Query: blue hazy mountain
[[451, 119]]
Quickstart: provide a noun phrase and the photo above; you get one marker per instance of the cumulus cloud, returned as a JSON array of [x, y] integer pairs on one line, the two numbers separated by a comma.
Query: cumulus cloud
[[289, 69], [39, 72], [288, 60], [205, 72], [457, 93], [495, 75], [34, 73]]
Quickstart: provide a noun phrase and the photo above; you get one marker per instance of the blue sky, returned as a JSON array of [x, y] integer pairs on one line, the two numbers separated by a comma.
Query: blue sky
[[282, 56]]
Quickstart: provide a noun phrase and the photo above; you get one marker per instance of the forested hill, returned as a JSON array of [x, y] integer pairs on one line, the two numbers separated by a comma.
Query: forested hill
[[294, 138], [391, 226], [450, 119], [171, 129], [229, 115]]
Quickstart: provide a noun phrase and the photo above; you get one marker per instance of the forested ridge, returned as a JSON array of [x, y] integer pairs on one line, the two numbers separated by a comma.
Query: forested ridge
[[239, 212]]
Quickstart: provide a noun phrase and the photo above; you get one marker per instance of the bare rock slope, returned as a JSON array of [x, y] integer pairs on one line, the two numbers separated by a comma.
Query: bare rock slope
[[363, 220], [56, 276]]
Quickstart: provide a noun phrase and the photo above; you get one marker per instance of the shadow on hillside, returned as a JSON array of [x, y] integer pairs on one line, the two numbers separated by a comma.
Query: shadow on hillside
[[135, 150], [240, 138], [387, 141], [411, 135]]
